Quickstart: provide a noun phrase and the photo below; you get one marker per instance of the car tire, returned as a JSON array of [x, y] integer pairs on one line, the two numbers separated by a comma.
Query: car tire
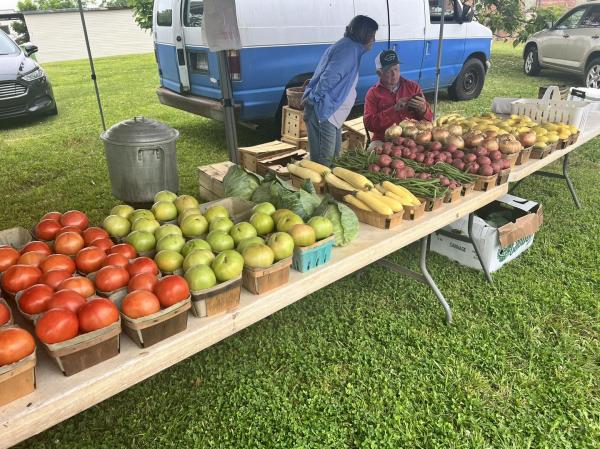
[[531, 64], [53, 111], [592, 74], [469, 82]]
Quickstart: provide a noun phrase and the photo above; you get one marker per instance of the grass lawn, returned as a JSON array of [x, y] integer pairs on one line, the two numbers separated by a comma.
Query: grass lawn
[[364, 364]]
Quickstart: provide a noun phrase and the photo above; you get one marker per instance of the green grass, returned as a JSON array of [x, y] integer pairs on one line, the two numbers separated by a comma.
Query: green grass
[[364, 363]]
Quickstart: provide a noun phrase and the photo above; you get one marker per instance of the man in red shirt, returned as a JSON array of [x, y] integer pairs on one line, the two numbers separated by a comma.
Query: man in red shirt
[[393, 98]]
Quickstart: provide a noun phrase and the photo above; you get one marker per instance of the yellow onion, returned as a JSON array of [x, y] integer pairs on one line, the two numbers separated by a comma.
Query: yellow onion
[[473, 139], [440, 134], [423, 138], [528, 138], [408, 122], [510, 147], [490, 134], [410, 131], [457, 141], [392, 132], [491, 143], [424, 125], [455, 129]]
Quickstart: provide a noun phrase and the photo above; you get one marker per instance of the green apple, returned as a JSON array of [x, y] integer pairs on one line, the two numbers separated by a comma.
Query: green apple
[[194, 226], [287, 222], [258, 256], [221, 224], [142, 241], [322, 226], [195, 244], [282, 245], [145, 224], [172, 242], [280, 213], [244, 243], [200, 277], [186, 213], [220, 241], [303, 235], [140, 213], [122, 210], [165, 230], [227, 265], [164, 211], [216, 212], [264, 208], [263, 223], [183, 202], [168, 260], [116, 225], [165, 195], [241, 231], [198, 257]]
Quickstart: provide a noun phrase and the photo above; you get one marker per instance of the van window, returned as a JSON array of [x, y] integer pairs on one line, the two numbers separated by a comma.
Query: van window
[[592, 18], [194, 12], [435, 10], [164, 13]]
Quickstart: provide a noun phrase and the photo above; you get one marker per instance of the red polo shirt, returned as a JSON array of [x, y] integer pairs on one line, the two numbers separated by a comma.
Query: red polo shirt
[[379, 107]]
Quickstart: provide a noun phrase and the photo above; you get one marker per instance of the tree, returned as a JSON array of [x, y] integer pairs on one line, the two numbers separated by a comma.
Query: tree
[[142, 11], [20, 28], [43, 5], [114, 3]]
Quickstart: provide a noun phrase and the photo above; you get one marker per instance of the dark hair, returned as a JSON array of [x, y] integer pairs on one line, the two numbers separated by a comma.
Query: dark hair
[[361, 29]]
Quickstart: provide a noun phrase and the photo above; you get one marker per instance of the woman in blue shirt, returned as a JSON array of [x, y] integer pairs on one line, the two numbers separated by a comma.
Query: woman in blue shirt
[[331, 92]]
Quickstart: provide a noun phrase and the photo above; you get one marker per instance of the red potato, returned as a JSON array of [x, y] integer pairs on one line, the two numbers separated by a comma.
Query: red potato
[[451, 148], [384, 160], [486, 170], [435, 146], [397, 153], [496, 166], [397, 164], [386, 170], [420, 157], [505, 164], [469, 158], [481, 151], [374, 168], [400, 174], [484, 160], [495, 155], [458, 154], [459, 164], [473, 167]]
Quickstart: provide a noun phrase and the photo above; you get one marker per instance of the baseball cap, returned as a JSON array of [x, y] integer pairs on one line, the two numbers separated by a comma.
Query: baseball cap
[[386, 59]]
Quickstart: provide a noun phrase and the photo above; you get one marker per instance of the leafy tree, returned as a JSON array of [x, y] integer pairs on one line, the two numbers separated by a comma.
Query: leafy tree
[[142, 11], [114, 3], [20, 28], [43, 5]]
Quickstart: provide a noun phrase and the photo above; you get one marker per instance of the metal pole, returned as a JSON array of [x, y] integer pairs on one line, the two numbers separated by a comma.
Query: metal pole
[[228, 109], [439, 59], [87, 44]]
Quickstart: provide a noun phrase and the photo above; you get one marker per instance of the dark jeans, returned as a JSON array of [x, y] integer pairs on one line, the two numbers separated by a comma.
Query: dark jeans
[[324, 139]]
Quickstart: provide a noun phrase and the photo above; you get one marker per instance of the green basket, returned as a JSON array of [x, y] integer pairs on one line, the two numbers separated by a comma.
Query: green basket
[[313, 256]]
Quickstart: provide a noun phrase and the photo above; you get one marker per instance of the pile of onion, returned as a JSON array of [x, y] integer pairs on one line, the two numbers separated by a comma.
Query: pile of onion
[[473, 139], [528, 138], [393, 132], [410, 131], [440, 134], [455, 130]]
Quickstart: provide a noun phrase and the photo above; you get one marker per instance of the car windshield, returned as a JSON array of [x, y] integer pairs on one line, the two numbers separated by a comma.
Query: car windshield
[[7, 46]]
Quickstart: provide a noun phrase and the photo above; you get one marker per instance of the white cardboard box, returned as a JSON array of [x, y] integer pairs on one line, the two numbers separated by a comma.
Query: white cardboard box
[[498, 246]]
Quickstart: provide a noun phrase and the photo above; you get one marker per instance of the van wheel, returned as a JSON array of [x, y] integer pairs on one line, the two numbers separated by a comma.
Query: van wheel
[[592, 74], [531, 64], [469, 82]]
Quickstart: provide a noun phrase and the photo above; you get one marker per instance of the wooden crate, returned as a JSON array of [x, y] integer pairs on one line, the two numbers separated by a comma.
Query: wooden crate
[[297, 182], [414, 212], [377, 220], [485, 183], [210, 180], [523, 157], [292, 123], [356, 132], [262, 280], [300, 142], [278, 163], [219, 299], [249, 156], [17, 379]]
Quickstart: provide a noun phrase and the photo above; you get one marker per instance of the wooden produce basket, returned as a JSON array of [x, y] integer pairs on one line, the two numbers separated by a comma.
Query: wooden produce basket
[[27, 316], [467, 188], [86, 350], [313, 256], [432, 204], [338, 194], [115, 295], [524, 155], [377, 220], [17, 379], [238, 208], [16, 237], [262, 280], [512, 158], [453, 195], [541, 153], [503, 176], [414, 212], [221, 298], [159, 326], [485, 183], [319, 188], [574, 138], [10, 317]]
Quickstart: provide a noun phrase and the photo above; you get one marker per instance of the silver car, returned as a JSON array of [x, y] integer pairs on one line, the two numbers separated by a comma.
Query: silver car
[[572, 45]]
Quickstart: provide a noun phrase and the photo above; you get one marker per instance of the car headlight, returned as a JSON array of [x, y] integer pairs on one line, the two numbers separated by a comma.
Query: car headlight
[[32, 76]]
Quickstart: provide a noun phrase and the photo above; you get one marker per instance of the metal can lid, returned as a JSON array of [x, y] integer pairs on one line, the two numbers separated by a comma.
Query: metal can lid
[[139, 130]]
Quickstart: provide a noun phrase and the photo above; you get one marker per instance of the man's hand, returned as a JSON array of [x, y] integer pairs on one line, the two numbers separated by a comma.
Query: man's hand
[[401, 104], [418, 104]]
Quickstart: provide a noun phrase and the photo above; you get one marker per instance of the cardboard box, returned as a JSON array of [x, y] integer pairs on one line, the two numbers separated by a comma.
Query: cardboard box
[[210, 180], [498, 246], [278, 163]]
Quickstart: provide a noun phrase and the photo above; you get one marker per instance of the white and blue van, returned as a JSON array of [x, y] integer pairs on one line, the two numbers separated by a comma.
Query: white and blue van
[[283, 40]]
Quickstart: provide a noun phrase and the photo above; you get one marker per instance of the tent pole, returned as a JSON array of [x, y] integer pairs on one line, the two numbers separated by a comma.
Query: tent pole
[[228, 106], [87, 44], [439, 59]]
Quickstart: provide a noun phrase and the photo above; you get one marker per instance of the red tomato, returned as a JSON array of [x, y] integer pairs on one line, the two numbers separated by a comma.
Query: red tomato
[[111, 278], [8, 257], [19, 277], [33, 258], [66, 299], [90, 259], [82, 285], [58, 262], [97, 314], [54, 277], [93, 233], [52, 216], [75, 218], [15, 344], [140, 303], [57, 325], [64, 229], [46, 229], [142, 281], [35, 299], [142, 265], [103, 243], [116, 259], [171, 289], [4, 314], [125, 249], [36, 245], [68, 243]]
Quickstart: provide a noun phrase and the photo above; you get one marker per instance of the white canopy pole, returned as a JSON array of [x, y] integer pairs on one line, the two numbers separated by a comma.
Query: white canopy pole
[[439, 59]]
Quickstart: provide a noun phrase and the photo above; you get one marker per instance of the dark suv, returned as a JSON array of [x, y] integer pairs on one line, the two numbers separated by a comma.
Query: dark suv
[[24, 86]]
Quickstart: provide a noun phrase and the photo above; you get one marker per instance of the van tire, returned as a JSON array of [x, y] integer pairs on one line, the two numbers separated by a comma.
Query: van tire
[[531, 64], [469, 82]]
